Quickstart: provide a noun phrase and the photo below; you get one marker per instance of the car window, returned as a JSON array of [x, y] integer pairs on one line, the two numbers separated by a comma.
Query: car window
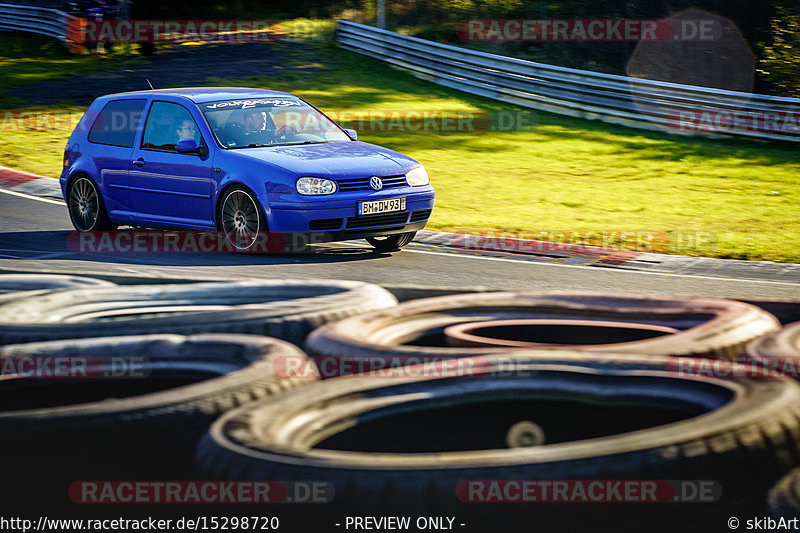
[[167, 123], [117, 123], [270, 121]]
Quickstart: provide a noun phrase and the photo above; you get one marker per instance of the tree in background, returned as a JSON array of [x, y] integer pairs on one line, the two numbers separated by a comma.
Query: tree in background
[[780, 57], [774, 22]]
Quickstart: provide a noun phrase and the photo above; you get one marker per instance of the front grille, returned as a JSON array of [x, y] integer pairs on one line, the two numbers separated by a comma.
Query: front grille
[[382, 219], [362, 184], [422, 214], [325, 223]]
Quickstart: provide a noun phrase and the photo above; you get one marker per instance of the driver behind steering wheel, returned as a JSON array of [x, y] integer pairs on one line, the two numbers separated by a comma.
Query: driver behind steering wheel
[[260, 129], [255, 128]]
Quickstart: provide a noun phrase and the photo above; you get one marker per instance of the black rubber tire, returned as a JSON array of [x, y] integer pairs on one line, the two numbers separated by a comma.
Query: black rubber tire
[[131, 428], [709, 327], [746, 441], [784, 498], [101, 222], [776, 353], [19, 285], [784, 343], [391, 243], [261, 224], [287, 309]]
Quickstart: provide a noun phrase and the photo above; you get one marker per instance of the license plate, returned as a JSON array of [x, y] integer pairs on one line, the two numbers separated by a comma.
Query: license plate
[[382, 206]]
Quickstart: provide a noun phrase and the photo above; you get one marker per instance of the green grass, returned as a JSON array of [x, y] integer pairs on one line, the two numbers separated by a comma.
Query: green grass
[[719, 198]]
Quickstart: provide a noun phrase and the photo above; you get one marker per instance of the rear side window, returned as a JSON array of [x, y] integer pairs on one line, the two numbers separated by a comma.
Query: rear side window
[[117, 122]]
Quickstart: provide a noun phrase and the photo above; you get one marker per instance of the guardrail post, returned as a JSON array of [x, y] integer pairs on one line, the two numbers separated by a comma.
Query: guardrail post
[[382, 14]]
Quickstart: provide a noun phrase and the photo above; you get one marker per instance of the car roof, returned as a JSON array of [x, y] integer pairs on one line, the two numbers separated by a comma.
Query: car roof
[[208, 94]]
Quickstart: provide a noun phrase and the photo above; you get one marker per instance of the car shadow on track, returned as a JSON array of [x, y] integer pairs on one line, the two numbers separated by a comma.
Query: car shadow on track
[[149, 249]]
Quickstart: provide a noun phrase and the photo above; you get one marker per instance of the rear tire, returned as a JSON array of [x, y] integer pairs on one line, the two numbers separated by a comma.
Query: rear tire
[[87, 211], [391, 243]]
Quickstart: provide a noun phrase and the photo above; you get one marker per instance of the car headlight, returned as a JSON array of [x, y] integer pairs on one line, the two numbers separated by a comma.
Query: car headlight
[[315, 186], [418, 177]]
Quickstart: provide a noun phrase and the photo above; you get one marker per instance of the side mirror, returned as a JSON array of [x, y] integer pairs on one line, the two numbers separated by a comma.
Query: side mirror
[[353, 134], [187, 146]]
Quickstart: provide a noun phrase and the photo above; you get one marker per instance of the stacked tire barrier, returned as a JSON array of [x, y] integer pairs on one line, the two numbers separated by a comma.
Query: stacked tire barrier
[[436, 439], [144, 427], [12, 286], [417, 408], [431, 327], [190, 351], [284, 309]]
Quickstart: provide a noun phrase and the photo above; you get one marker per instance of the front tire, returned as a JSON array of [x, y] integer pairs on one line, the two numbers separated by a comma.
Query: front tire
[[86, 208], [391, 243], [241, 219]]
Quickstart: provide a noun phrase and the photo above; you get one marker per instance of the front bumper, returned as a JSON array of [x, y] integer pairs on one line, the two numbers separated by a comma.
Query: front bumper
[[297, 241], [337, 219]]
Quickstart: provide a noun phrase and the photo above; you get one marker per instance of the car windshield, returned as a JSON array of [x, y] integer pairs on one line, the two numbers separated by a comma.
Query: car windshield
[[269, 121]]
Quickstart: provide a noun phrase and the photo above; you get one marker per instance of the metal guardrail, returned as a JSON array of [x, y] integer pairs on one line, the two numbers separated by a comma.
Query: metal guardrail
[[33, 19], [635, 102]]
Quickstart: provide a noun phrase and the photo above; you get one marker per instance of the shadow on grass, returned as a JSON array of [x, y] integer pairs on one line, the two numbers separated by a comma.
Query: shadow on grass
[[672, 146], [377, 83], [27, 58]]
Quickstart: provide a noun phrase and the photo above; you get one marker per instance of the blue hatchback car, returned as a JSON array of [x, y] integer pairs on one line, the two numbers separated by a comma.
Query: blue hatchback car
[[240, 161]]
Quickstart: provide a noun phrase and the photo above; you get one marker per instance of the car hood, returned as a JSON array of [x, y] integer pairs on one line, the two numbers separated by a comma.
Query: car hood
[[338, 160]]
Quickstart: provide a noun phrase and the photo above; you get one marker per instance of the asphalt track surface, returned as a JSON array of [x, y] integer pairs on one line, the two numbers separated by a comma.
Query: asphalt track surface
[[34, 231]]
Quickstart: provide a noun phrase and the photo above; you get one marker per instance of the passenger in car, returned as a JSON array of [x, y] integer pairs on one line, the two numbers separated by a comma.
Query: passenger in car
[[186, 130]]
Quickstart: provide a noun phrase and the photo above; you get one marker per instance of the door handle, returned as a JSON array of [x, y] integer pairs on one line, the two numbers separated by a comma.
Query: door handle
[[139, 162]]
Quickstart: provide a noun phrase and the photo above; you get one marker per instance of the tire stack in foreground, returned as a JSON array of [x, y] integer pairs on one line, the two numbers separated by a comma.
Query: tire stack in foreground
[[119, 382], [426, 408], [430, 406]]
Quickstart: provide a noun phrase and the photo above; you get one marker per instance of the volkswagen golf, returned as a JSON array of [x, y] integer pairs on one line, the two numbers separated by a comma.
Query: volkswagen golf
[[238, 161]]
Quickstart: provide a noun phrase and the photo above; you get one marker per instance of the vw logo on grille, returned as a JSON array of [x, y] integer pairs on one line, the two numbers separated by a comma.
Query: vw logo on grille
[[376, 183]]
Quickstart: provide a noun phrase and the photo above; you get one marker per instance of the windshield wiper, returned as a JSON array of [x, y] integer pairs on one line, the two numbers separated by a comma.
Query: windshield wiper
[[252, 145], [299, 143]]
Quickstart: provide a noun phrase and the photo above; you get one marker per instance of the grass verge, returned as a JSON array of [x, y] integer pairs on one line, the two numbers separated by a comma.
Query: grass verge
[[717, 198]]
